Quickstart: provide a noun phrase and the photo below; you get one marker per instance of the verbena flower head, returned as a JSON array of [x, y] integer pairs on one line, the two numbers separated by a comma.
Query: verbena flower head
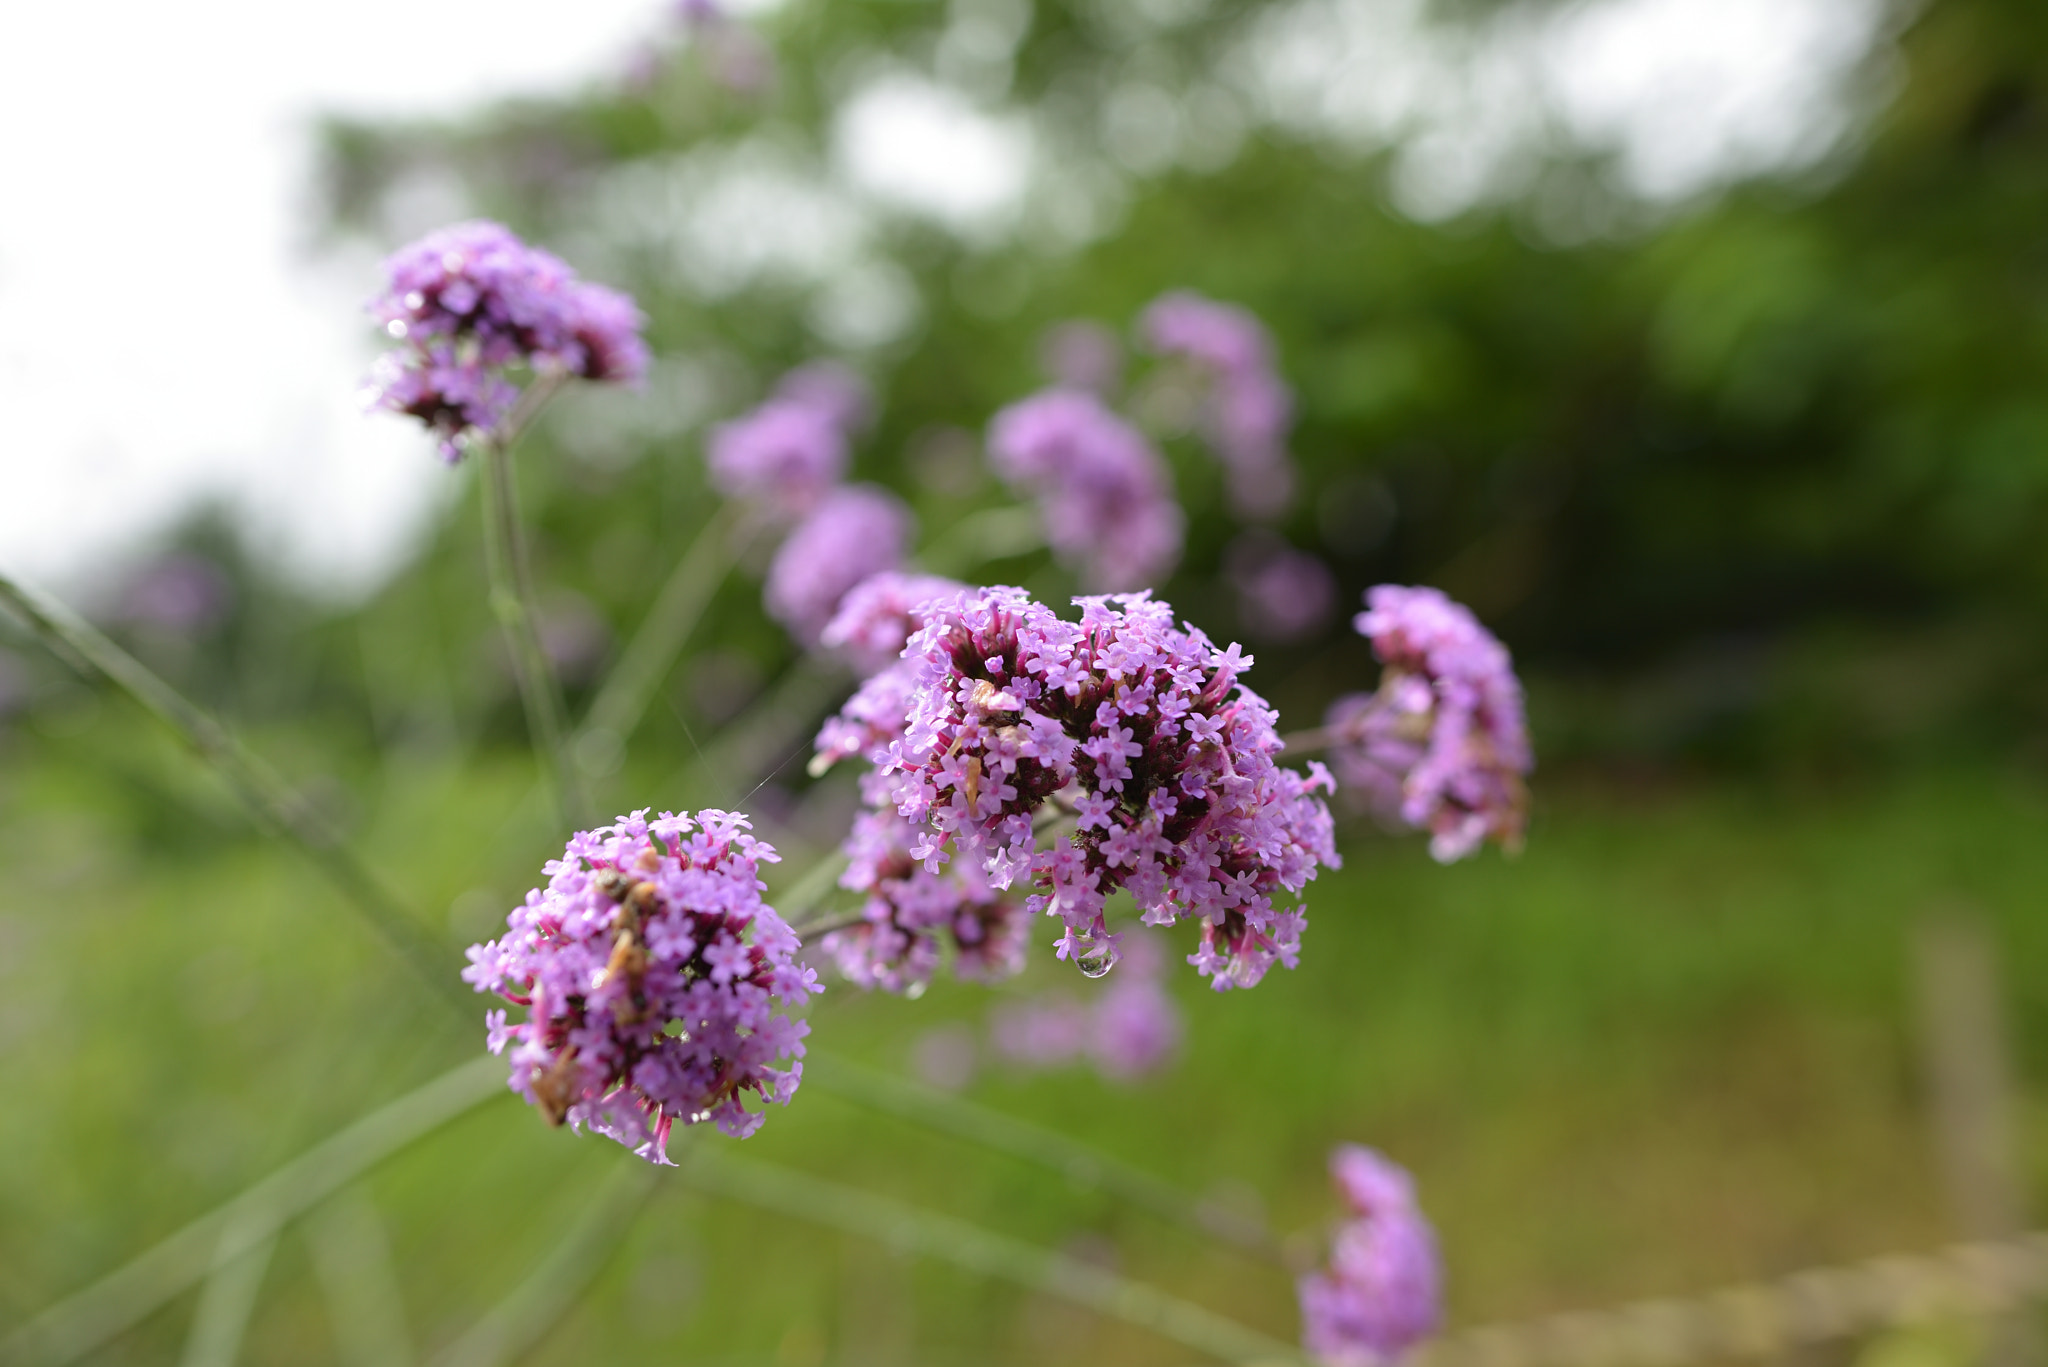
[[650, 971], [1105, 494], [1141, 731], [787, 453], [879, 614], [469, 303], [855, 531], [1442, 744], [1381, 1294], [1248, 408]]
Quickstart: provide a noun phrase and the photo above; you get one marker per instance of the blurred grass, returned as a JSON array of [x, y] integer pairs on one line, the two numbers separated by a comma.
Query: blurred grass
[[1664, 1049]]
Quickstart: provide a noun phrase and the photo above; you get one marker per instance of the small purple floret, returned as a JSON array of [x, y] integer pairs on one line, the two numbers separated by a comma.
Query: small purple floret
[[467, 304], [1381, 1294], [1105, 494], [649, 968], [1442, 745]]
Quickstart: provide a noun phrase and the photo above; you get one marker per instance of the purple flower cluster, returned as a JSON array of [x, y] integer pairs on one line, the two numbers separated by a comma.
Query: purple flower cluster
[[1140, 732], [856, 530], [1130, 1028], [909, 914], [650, 970], [1247, 408], [1105, 494], [1381, 1293], [467, 304], [786, 454], [1442, 744]]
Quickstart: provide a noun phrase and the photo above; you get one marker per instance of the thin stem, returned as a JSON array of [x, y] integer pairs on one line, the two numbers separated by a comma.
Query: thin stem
[[517, 1324], [359, 1280], [272, 803], [1034, 1144], [227, 1301], [910, 1230], [991, 534], [807, 891], [1312, 740], [623, 700], [86, 1319], [814, 931], [512, 600]]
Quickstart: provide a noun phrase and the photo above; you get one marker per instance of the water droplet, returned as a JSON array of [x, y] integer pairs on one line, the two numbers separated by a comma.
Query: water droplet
[[1096, 960], [396, 327], [915, 990]]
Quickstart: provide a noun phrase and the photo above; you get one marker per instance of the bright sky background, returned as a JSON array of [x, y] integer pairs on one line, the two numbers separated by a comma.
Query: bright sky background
[[164, 337]]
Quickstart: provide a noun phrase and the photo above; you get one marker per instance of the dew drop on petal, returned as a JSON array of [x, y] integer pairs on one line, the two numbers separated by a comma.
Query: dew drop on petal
[[1096, 960]]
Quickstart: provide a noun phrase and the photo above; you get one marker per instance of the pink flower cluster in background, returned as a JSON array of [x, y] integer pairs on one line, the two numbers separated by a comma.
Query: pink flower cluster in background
[[650, 971], [784, 455], [1105, 495], [787, 459], [469, 303], [1127, 1028], [855, 531], [1442, 744], [1247, 408], [1381, 1294]]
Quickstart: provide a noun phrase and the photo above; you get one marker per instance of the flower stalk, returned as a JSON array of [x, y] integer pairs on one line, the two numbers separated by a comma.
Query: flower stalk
[[512, 600]]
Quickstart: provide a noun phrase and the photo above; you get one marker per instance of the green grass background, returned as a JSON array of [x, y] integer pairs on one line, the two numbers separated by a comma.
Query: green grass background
[[1668, 1047]]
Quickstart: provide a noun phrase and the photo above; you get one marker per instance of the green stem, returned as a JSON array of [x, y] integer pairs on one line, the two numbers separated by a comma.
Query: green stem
[[910, 1230], [623, 700], [273, 804], [1034, 1144], [227, 1302], [517, 1324], [1312, 740], [86, 1319], [991, 534], [512, 599]]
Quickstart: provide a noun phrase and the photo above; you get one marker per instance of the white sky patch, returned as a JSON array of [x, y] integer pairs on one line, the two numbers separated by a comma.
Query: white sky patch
[[1690, 92], [1686, 94], [922, 147], [163, 337]]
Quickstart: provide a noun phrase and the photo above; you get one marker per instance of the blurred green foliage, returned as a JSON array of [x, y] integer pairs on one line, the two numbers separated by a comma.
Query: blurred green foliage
[[1673, 455]]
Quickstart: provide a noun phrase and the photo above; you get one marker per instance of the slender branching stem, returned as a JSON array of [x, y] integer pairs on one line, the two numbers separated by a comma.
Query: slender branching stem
[[633, 682], [516, 1325], [270, 801], [83, 1321], [1309, 742], [813, 931], [910, 1230], [512, 599], [1020, 1139]]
